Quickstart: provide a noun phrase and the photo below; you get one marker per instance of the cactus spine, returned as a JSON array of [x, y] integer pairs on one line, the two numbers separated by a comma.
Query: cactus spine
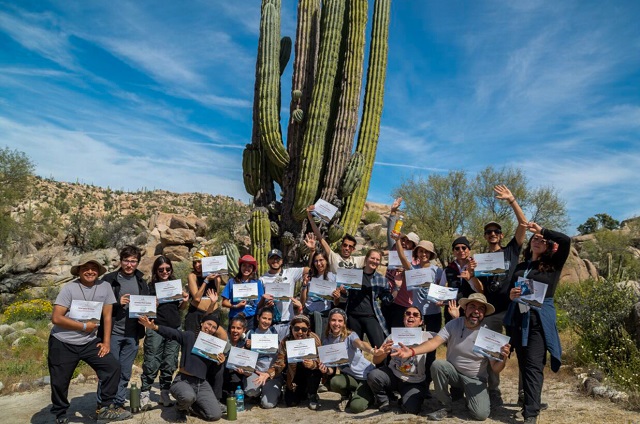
[[260, 229], [352, 176], [233, 255]]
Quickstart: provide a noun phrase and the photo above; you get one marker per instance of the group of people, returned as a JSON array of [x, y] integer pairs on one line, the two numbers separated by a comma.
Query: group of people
[[376, 369]]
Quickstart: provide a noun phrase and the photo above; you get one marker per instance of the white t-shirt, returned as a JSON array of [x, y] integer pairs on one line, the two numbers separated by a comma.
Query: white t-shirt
[[289, 275], [411, 370], [336, 261]]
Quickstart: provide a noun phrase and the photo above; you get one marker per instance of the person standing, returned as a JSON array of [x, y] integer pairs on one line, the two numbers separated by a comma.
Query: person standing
[[246, 275], [460, 272], [127, 332], [72, 341], [197, 285]]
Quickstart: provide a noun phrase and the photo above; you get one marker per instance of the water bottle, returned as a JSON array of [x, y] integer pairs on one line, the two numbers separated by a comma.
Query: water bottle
[[239, 399], [398, 226], [231, 409], [134, 398]]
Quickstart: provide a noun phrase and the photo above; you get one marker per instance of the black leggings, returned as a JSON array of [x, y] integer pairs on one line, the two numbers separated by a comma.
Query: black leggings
[[306, 384], [368, 325]]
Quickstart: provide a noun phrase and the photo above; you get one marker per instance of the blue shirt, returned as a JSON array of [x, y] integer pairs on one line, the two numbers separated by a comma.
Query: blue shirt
[[250, 308]]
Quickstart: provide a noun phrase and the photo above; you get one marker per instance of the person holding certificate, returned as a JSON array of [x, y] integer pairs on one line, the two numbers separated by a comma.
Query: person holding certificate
[[459, 273], [160, 354], [315, 307], [232, 377], [302, 378], [76, 315], [351, 383], [259, 384], [534, 332], [363, 311], [198, 284], [190, 387], [406, 376], [249, 294]]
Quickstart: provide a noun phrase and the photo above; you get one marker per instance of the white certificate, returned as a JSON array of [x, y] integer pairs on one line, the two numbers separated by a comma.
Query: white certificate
[[488, 343], [408, 336], [242, 360], [264, 343], [299, 350], [214, 264], [349, 278], [334, 355], [169, 291], [394, 259], [208, 346], [321, 288], [324, 210], [142, 305], [419, 278], [279, 291], [441, 294], [85, 311], [488, 264], [533, 299], [245, 291]]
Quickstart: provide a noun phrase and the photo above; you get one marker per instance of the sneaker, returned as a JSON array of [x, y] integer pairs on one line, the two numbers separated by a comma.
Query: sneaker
[[384, 406], [439, 415], [112, 413], [322, 388], [165, 398], [223, 408], [145, 402], [531, 420], [181, 416], [342, 405], [62, 420], [495, 399], [314, 402], [520, 414]]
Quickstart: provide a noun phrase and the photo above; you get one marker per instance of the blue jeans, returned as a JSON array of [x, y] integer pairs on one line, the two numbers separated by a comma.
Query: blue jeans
[[124, 349]]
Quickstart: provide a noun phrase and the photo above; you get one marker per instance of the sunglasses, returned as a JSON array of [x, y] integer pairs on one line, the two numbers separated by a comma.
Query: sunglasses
[[488, 232], [298, 328], [412, 314], [539, 239], [349, 246], [167, 269], [460, 248]]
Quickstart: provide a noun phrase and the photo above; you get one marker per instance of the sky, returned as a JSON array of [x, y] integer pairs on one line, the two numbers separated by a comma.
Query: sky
[[158, 94]]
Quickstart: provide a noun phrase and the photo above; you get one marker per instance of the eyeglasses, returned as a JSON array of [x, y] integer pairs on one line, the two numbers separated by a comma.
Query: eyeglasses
[[460, 248], [166, 269], [489, 232], [412, 314], [298, 328], [129, 262], [349, 246]]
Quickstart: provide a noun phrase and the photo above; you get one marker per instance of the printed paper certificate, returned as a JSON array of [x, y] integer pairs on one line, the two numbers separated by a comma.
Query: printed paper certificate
[[279, 291], [245, 291], [489, 264], [242, 360], [488, 343], [208, 346], [264, 343], [169, 291], [408, 336], [349, 278], [321, 288], [394, 259], [214, 264], [334, 355], [85, 311], [142, 305], [441, 294], [299, 350], [419, 278], [534, 299], [324, 210]]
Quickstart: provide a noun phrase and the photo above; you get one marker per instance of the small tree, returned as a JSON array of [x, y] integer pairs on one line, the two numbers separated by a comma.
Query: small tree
[[601, 221], [15, 170]]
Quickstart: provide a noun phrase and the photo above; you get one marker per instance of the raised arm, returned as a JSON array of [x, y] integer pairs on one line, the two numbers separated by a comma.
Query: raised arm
[[392, 221], [316, 231], [503, 193]]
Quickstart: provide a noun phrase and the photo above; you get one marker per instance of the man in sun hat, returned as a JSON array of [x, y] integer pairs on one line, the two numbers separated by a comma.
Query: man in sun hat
[[463, 368], [74, 337]]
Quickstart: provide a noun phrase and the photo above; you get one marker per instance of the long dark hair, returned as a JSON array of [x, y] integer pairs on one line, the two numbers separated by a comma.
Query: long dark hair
[[161, 260], [313, 271], [545, 264]]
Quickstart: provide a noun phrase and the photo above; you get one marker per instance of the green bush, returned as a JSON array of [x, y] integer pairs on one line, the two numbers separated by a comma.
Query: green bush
[[371, 217], [596, 311], [29, 310]]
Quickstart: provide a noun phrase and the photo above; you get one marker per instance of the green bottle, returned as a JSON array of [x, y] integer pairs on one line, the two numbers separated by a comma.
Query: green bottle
[[134, 398], [232, 413]]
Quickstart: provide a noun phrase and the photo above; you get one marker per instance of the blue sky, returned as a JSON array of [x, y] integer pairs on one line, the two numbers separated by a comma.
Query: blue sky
[[158, 94]]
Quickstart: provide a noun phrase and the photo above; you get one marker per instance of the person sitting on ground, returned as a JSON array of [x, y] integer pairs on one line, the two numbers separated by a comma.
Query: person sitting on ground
[[72, 341], [233, 377], [190, 387], [463, 368], [406, 376], [197, 285]]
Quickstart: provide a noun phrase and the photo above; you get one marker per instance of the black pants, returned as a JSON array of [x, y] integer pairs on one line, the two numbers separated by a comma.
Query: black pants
[[231, 382], [532, 359], [215, 378], [432, 322], [63, 359], [306, 384], [368, 325]]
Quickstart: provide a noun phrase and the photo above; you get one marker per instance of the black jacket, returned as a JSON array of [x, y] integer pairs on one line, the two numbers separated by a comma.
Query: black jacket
[[118, 310]]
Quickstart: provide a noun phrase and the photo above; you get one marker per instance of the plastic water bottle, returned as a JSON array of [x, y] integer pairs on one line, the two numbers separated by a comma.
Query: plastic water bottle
[[398, 226], [239, 399]]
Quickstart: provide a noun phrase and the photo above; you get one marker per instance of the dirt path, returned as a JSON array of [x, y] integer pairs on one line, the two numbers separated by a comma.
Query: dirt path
[[566, 405]]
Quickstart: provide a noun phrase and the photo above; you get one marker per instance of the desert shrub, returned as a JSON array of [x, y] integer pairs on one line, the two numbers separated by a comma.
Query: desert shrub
[[596, 311], [28, 310], [371, 217]]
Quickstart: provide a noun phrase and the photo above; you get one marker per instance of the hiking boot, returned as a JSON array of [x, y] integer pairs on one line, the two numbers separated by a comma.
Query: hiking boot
[[112, 413], [495, 399], [384, 406], [342, 405], [165, 398], [531, 420], [439, 415], [314, 402], [145, 402], [520, 414], [181, 416]]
